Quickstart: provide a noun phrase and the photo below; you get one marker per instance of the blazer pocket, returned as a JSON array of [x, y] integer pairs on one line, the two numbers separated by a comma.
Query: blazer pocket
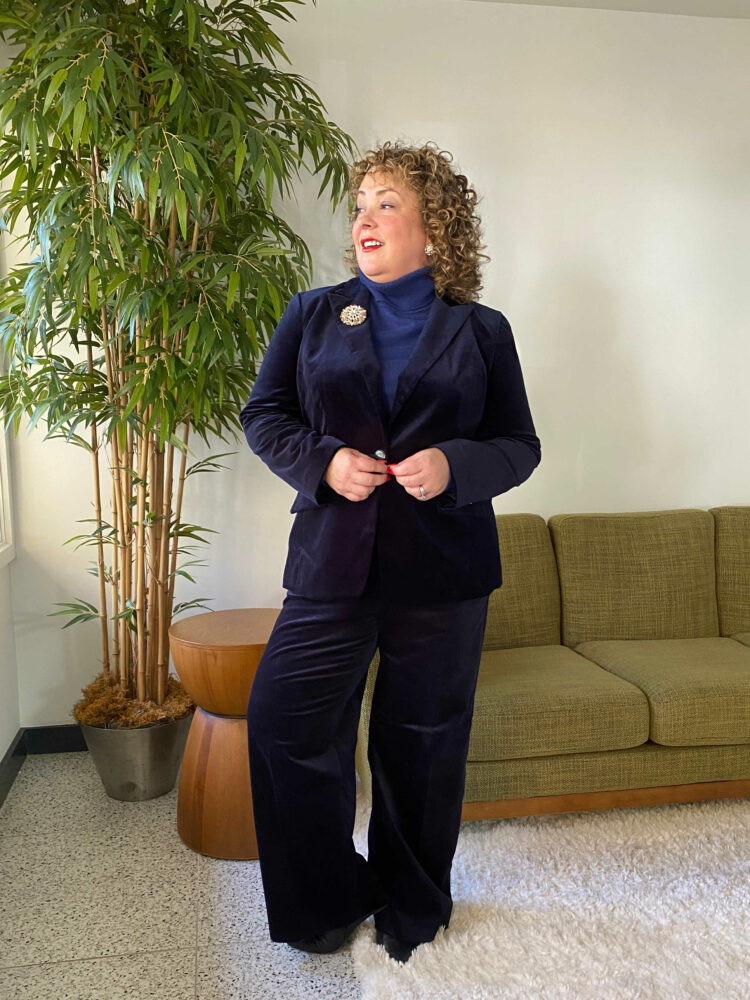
[[301, 502], [479, 509], [326, 497]]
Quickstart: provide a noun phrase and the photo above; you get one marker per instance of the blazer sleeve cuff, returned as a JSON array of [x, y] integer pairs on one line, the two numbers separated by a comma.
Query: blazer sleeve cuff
[[314, 485], [482, 470]]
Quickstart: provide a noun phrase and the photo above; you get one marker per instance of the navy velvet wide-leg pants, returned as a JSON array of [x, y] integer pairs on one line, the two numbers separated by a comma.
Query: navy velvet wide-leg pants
[[303, 715]]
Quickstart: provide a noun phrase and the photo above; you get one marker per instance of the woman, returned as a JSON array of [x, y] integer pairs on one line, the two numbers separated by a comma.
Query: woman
[[395, 405]]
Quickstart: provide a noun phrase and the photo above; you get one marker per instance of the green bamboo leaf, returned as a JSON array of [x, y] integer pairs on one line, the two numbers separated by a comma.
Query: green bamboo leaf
[[7, 111], [163, 98], [257, 169], [153, 192], [135, 398], [18, 180], [31, 139], [115, 280], [111, 71], [93, 286], [276, 154], [251, 332], [181, 202], [239, 160], [191, 24], [233, 285], [114, 239], [268, 179], [192, 337], [79, 116], [67, 249], [10, 166], [176, 88], [53, 88], [97, 76]]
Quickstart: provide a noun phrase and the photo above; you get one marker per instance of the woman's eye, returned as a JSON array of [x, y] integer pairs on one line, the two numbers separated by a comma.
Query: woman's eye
[[357, 210]]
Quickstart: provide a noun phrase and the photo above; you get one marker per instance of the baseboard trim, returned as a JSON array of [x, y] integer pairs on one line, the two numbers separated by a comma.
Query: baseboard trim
[[10, 765], [33, 740], [54, 739]]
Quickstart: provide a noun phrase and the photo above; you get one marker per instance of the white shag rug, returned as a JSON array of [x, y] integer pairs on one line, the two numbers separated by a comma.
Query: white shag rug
[[649, 903]]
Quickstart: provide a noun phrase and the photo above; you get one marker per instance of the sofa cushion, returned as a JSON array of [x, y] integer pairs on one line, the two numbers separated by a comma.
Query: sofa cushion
[[645, 766], [525, 610], [542, 700], [732, 568], [698, 689], [743, 637], [644, 575]]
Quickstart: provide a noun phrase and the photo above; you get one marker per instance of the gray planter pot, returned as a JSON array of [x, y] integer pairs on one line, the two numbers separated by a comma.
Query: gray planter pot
[[137, 764]]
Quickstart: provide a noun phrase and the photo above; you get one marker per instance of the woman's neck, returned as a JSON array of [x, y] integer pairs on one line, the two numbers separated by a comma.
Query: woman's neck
[[412, 292]]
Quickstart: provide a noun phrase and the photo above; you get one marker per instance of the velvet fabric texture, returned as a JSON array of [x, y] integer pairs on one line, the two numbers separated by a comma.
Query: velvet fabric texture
[[399, 311], [302, 728], [462, 390]]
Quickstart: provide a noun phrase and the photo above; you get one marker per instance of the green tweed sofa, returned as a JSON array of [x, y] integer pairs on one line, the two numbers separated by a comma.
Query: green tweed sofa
[[616, 664]]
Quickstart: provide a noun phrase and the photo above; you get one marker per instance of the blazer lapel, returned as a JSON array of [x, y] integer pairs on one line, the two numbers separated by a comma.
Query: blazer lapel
[[443, 323], [359, 338]]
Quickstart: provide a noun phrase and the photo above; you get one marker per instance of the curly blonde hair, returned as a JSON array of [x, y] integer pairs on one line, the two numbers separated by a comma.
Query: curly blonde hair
[[448, 206]]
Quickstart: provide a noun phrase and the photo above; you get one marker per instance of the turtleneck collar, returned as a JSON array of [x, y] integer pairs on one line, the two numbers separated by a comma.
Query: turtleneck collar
[[412, 292]]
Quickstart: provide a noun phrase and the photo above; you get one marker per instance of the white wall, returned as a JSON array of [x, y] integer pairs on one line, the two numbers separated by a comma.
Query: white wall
[[9, 712], [612, 153], [9, 709]]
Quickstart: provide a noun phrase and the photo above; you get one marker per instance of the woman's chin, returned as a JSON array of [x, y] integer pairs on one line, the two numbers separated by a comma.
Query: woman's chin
[[374, 270]]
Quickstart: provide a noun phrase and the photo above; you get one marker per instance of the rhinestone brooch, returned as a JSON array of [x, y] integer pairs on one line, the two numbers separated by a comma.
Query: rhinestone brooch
[[353, 315]]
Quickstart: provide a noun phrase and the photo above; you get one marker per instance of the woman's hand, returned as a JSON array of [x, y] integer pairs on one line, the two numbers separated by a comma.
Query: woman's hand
[[353, 474], [428, 469]]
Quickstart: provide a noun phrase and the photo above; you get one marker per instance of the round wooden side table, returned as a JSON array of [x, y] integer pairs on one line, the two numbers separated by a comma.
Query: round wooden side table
[[216, 655]]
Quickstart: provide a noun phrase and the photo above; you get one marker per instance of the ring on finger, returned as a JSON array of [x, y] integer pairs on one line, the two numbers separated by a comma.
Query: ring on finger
[[422, 494]]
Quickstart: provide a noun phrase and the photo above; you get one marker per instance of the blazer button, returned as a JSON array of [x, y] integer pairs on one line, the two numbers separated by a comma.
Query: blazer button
[[379, 454]]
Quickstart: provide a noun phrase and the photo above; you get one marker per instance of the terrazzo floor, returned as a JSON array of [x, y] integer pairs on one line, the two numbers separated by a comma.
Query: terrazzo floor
[[101, 900]]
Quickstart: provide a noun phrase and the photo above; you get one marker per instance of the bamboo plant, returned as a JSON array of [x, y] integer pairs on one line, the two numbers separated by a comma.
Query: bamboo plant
[[148, 143]]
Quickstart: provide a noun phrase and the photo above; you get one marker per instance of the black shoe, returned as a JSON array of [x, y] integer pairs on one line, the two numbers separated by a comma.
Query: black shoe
[[399, 950], [324, 944]]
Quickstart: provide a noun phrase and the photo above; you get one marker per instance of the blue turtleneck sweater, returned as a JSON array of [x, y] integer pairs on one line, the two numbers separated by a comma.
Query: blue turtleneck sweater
[[398, 310]]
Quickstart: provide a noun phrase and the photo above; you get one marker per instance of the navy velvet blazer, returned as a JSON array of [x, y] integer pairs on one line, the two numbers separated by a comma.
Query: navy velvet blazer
[[462, 391]]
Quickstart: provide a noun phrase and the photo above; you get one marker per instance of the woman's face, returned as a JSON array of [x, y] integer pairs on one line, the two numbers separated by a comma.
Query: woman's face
[[389, 238]]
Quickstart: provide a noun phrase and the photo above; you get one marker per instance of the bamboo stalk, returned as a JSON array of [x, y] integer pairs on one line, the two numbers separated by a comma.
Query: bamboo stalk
[[126, 577], [128, 484], [140, 555], [214, 215], [99, 542], [140, 573], [154, 547], [122, 575], [196, 229], [162, 666], [103, 607], [116, 669], [177, 516], [118, 541], [172, 233], [136, 591]]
